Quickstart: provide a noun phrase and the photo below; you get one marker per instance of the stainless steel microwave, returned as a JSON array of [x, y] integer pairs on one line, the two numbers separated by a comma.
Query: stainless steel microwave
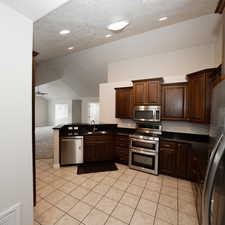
[[147, 113]]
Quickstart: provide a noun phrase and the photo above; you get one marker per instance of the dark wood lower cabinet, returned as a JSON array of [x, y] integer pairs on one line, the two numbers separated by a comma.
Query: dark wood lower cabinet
[[182, 160], [122, 149], [99, 148], [173, 159], [167, 161]]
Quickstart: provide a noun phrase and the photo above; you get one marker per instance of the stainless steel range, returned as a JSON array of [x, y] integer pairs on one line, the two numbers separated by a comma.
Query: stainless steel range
[[144, 148]]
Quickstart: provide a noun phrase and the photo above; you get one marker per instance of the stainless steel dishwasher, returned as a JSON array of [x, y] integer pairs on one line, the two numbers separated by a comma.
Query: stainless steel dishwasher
[[71, 150]]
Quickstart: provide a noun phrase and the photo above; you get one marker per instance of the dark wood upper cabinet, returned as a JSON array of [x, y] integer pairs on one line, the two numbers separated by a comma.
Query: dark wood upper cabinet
[[140, 92], [154, 92], [124, 102], [174, 101], [147, 92], [199, 95]]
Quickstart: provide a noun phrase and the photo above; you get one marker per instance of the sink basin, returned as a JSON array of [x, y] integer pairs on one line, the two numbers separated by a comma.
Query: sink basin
[[101, 132], [98, 132]]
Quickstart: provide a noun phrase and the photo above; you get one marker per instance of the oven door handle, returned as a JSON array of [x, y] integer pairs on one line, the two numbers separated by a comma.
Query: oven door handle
[[144, 152], [148, 141]]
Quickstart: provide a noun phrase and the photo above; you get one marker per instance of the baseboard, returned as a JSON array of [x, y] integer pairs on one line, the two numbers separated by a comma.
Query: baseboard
[[56, 166]]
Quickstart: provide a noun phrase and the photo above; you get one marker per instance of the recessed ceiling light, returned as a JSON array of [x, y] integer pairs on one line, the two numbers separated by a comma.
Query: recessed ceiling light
[[64, 32], [71, 48], [163, 18], [108, 35], [117, 26]]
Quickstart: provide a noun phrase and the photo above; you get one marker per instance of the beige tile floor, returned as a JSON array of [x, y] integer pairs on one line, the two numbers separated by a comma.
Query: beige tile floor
[[111, 198]]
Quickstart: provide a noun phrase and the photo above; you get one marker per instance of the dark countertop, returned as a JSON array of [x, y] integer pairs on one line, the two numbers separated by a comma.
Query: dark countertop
[[116, 131], [184, 137], [58, 127]]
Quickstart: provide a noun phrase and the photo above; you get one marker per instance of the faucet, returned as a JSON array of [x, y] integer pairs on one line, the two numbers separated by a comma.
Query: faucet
[[93, 123]]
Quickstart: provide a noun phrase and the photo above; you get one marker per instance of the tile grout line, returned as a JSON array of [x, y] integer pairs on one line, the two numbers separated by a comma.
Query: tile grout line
[[157, 206], [110, 215], [110, 186], [94, 207], [138, 201]]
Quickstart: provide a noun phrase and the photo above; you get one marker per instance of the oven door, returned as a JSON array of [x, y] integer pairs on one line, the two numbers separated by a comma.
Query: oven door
[[139, 144], [144, 161]]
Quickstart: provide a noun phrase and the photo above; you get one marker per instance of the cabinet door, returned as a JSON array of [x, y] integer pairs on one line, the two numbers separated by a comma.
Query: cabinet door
[[197, 97], [167, 161], [122, 154], [90, 152], [182, 160], [174, 100], [154, 92], [124, 103], [140, 92], [105, 151]]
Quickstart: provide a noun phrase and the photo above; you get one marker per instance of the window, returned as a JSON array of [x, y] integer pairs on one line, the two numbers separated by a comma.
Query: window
[[93, 112], [61, 113]]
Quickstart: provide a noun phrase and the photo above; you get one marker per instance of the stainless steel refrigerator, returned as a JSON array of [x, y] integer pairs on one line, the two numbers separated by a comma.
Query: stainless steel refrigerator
[[213, 199]]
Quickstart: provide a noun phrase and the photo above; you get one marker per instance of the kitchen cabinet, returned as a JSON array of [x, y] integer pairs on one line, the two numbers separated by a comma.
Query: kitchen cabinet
[[199, 96], [196, 164], [174, 101], [122, 149], [124, 102], [98, 148], [182, 160], [217, 76], [167, 158], [147, 92], [173, 159]]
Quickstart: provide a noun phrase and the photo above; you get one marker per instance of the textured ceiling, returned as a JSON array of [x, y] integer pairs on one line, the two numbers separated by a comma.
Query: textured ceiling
[[87, 20], [83, 71], [34, 10]]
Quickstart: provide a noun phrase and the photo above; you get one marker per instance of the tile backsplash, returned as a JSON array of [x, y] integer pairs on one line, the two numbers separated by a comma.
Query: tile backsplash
[[172, 126], [185, 127]]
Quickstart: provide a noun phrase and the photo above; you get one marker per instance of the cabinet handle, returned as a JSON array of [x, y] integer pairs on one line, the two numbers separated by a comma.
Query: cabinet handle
[[166, 146]]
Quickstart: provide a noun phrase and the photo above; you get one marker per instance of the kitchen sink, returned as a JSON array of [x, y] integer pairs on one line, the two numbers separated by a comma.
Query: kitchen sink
[[101, 132], [98, 132]]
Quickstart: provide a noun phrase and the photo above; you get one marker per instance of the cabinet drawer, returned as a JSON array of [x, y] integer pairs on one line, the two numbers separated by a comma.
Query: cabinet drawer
[[94, 138], [168, 144], [122, 140]]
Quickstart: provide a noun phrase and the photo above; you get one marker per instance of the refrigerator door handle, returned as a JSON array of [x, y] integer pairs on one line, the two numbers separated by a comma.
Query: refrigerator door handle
[[215, 158]]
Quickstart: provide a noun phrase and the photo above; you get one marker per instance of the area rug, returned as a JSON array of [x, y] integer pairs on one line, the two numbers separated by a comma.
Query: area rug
[[96, 167]]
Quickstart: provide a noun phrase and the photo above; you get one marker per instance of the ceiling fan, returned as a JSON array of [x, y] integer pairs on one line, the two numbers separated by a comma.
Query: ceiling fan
[[39, 93]]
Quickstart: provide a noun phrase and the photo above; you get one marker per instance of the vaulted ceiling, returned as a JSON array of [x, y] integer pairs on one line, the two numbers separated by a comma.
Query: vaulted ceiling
[[83, 71], [88, 19]]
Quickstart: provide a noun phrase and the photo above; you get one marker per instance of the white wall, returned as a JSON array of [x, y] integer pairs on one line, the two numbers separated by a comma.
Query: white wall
[[51, 110], [41, 111], [15, 94], [76, 111], [84, 109], [219, 44], [172, 66]]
